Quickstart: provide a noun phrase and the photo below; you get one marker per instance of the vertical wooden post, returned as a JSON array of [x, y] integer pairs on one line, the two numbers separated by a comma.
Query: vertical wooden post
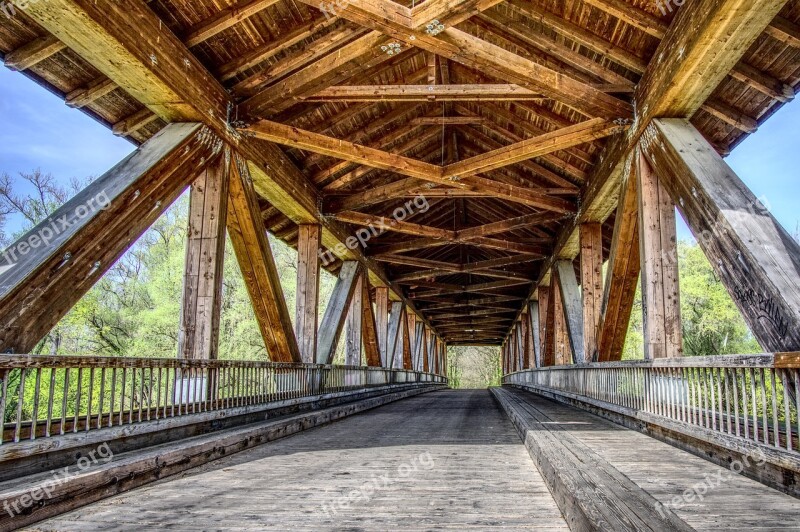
[[205, 252], [659, 259], [425, 348], [557, 342], [419, 350], [336, 313], [534, 313], [411, 330], [369, 334], [591, 284], [571, 304], [525, 331], [308, 242], [545, 327], [354, 328], [431, 349], [444, 359], [623, 273], [382, 321], [406, 324], [393, 353]]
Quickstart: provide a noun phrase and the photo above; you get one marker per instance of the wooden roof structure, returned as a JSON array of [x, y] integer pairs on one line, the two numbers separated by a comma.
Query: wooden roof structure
[[514, 119]]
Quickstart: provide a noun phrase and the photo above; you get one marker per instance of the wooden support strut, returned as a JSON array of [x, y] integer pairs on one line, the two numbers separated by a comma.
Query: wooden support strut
[[382, 322], [659, 260], [755, 257], [336, 312], [368, 326], [250, 243], [571, 303], [354, 331], [47, 270], [622, 276], [308, 275], [205, 252], [591, 284]]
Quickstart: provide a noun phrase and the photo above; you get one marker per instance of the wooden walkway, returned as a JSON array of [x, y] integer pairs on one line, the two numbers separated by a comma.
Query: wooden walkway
[[443, 460], [705, 496]]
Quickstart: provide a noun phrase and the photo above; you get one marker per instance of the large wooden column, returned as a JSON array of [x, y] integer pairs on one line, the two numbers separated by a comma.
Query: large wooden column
[[249, 239], [47, 270], [545, 330], [525, 331], [754, 256], [411, 325], [395, 335], [198, 337], [369, 333], [558, 348], [336, 312], [623, 274], [382, 321], [426, 346], [591, 240], [431, 350], [419, 349], [354, 332], [308, 245], [535, 326], [659, 260], [573, 313]]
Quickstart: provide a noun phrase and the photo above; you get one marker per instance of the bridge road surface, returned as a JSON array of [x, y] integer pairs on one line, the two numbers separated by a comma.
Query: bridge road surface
[[441, 460]]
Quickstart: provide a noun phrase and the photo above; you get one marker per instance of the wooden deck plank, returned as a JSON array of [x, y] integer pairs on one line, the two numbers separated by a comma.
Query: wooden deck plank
[[666, 473], [481, 477]]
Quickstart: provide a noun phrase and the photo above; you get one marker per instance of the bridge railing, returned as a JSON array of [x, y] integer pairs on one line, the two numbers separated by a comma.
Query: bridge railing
[[46, 396], [747, 396]]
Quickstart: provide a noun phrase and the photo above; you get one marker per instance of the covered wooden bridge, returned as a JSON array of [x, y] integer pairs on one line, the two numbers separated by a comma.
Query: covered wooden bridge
[[467, 169]]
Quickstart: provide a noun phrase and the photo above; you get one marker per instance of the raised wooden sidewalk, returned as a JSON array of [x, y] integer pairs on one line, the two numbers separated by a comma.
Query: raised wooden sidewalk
[[605, 471]]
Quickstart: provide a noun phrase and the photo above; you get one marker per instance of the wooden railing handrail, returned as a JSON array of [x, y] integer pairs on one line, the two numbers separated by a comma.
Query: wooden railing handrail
[[764, 360], [11, 361]]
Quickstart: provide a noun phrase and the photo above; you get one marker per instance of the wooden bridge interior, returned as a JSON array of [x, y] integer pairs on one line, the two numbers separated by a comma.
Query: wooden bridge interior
[[474, 172]]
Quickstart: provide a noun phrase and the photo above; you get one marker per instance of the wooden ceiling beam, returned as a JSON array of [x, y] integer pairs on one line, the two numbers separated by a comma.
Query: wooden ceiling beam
[[298, 59], [423, 93], [578, 34], [633, 16], [225, 19], [459, 46], [381, 224], [33, 53], [572, 174], [335, 67], [504, 226], [501, 24], [271, 49], [495, 112], [536, 147], [448, 120], [342, 149]]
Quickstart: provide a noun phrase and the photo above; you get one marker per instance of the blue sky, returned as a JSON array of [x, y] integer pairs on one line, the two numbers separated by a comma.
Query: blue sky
[[38, 131]]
